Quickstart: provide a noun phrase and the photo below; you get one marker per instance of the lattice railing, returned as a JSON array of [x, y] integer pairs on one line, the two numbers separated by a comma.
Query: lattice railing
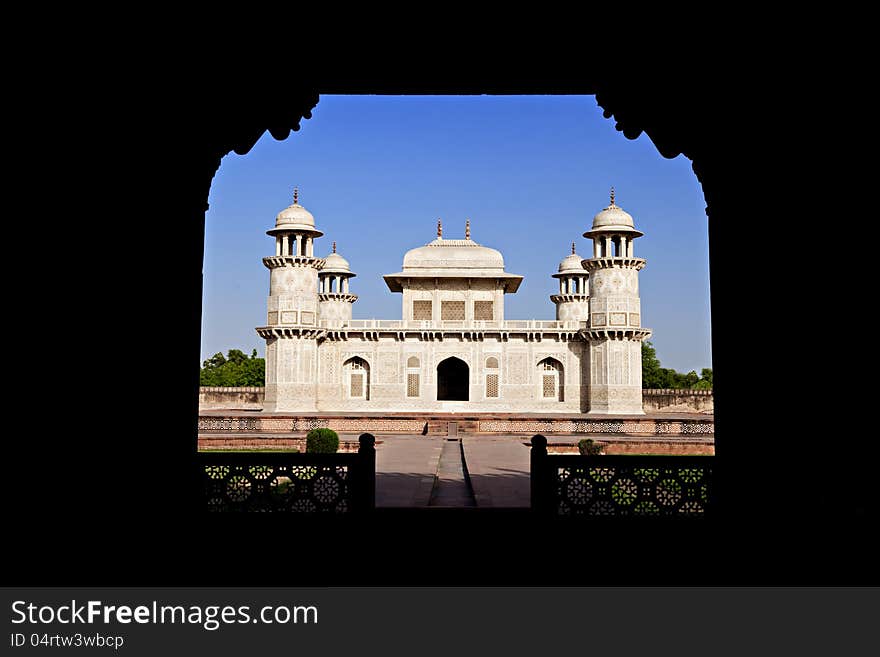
[[620, 485], [292, 483], [360, 324]]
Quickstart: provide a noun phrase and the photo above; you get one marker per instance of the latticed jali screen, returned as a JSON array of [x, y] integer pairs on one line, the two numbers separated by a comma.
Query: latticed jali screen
[[422, 310], [357, 385], [412, 385], [483, 310], [452, 310], [491, 385], [633, 489], [304, 489], [549, 385]]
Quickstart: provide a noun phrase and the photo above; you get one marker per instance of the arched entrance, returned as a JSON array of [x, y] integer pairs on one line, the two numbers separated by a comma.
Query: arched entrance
[[453, 377], [551, 381], [356, 378]]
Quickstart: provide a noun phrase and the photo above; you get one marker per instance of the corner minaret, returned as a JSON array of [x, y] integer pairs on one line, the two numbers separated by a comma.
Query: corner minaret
[[334, 299], [292, 324], [572, 302], [615, 332]]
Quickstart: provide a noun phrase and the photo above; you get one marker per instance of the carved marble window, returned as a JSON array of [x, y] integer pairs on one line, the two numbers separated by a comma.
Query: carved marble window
[[552, 381], [491, 385], [412, 376], [483, 310], [452, 310], [422, 310], [357, 374], [491, 363]]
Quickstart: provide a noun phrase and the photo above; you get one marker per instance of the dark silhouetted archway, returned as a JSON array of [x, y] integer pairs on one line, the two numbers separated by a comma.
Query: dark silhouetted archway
[[755, 138], [452, 380]]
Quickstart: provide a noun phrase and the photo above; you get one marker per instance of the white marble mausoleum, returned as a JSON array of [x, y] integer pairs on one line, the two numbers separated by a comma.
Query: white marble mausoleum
[[453, 349]]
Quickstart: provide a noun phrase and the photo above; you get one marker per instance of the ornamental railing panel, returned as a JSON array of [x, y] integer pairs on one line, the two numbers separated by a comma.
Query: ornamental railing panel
[[475, 324], [290, 482], [620, 485]]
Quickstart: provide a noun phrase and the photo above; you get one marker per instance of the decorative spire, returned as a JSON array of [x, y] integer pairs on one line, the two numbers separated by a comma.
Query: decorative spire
[[612, 194], [572, 248], [467, 229], [295, 195], [334, 247], [439, 230]]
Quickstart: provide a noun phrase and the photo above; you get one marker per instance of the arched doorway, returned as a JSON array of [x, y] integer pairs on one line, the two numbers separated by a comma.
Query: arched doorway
[[356, 378], [453, 376], [551, 381]]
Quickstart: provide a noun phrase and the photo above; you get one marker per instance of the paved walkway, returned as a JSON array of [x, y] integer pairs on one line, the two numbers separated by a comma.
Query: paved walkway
[[451, 489], [499, 470], [406, 468]]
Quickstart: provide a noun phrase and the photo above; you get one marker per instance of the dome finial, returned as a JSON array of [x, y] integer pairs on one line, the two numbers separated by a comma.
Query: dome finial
[[439, 229], [612, 194], [572, 248], [467, 229], [295, 195], [334, 247]]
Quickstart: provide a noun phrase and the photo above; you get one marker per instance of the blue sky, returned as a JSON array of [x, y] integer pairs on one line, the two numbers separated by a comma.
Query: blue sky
[[530, 172]]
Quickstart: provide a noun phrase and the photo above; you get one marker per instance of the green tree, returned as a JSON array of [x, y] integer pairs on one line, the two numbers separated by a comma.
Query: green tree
[[214, 361], [235, 369], [652, 375], [705, 382], [671, 379]]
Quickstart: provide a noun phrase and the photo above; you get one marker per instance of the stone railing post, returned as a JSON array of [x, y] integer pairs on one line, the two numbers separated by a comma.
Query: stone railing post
[[540, 485], [365, 487]]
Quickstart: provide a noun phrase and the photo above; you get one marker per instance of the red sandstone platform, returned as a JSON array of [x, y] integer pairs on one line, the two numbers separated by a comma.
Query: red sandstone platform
[[453, 424], [653, 433], [453, 414]]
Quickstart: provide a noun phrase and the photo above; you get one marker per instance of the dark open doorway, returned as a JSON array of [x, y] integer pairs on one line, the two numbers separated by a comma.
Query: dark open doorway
[[452, 380]]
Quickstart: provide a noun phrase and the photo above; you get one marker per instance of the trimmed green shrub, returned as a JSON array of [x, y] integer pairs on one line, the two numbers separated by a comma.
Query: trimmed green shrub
[[587, 447], [322, 441]]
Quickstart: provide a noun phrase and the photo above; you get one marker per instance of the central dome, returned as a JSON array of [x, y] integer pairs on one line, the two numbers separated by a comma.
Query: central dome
[[453, 254], [452, 259]]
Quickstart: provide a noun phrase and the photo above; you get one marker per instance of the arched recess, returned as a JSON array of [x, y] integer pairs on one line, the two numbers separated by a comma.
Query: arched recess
[[356, 378], [492, 389], [413, 376], [453, 380], [551, 380]]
